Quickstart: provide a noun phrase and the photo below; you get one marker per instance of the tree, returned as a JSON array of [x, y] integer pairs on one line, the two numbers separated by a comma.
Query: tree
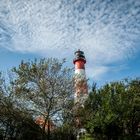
[[43, 87], [113, 109], [15, 122]]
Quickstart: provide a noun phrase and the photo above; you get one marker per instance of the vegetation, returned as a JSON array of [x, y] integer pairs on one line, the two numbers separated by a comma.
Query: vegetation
[[44, 88], [113, 111]]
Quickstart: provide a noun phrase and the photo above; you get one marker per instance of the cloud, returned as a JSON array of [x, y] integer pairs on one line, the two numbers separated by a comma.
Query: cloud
[[96, 72], [107, 30]]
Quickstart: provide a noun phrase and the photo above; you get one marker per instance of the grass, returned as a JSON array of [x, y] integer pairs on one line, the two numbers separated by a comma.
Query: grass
[[86, 137]]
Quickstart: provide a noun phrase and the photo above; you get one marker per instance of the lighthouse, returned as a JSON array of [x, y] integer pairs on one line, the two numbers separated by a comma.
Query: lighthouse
[[81, 89]]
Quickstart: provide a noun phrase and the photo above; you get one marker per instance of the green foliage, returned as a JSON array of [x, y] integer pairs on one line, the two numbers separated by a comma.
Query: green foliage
[[38, 88], [16, 123], [87, 136], [114, 109]]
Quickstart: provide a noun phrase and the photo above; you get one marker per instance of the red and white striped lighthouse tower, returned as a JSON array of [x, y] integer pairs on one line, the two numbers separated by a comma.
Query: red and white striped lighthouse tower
[[81, 89]]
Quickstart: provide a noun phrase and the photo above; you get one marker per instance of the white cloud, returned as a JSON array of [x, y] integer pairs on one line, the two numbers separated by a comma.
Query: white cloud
[[96, 72], [106, 30]]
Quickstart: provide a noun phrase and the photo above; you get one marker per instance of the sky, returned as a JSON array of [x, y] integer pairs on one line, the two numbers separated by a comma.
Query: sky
[[108, 31]]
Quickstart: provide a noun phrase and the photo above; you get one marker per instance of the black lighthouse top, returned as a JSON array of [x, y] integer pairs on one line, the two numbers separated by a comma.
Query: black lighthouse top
[[79, 55]]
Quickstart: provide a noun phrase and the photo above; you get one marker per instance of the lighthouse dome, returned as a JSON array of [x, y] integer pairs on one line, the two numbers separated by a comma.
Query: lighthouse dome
[[79, 55]]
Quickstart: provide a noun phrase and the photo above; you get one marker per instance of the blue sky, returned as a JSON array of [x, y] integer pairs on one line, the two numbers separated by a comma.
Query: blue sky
[[108, 31]]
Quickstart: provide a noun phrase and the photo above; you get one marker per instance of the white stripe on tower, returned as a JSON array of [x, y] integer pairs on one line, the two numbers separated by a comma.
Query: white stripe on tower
[[80, 71]]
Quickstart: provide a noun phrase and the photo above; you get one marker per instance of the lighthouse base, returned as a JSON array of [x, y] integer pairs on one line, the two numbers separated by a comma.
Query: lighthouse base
[[81, 133]]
